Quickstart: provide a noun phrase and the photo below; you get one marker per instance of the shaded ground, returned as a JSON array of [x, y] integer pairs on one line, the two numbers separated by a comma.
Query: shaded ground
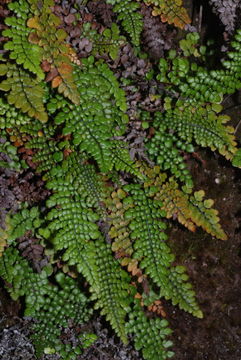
[[215, 269]]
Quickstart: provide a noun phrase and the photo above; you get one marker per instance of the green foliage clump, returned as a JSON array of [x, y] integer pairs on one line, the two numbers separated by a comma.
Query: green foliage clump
[[108, 42], [10, 116], [152, 252], [25, 93], [26, 54], [8, 155], [165, 148], [199, 124], [199, 85], [130, 18], [150, 335], [50, 305], [24, 221]]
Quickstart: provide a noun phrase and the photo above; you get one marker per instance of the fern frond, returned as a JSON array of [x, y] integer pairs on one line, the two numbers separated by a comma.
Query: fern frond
[[99, 118], [16, 271], [72, 223], [25, 93], [130, 18], [175, 204], [63, 304], [205, 216], [199, 85], [23, 221], [154, 256], [149, 334], [202, 125], [165, 148], [50, 305], [190, 210], [48, 151], [119, 232], [108, 42], [113, 290], [51, 39], [171, 11], [11, 117], [72, 228], [26, 54]]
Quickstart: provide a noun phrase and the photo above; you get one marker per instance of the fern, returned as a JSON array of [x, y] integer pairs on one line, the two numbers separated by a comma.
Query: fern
[[26, 54], [202, 125], [165, 148], [11, 117], [114, 297], [150, 335], [130, 18], [22, 222], [152, 252], [72, 227], [100, 119], [106, 210], [69, 302], [172, 11], [25, 93], [108, 42], [190, 210], [55, 50], [48, 152]]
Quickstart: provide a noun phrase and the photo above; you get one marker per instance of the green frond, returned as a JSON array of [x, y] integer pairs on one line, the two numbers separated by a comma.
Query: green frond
[[72, 222], [202, 125], [23, 221], [108, 42], [112, 293], [151, 250], [150, 335], [10, 117], [200, 85], [130, 18], [50, 305], [165, 148], [99, 118], [16, 271], [63, 304], [48, 152], [26, 54], [25, 93]]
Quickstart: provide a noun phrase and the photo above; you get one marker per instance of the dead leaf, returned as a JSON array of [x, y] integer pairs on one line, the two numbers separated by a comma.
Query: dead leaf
[[56, 81]]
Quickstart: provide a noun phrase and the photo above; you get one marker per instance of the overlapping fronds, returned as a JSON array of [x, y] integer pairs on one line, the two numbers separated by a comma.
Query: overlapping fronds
[[50, 305]]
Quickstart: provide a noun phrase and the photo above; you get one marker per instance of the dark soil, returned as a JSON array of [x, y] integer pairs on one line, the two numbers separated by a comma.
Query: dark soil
[[214, 267]]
